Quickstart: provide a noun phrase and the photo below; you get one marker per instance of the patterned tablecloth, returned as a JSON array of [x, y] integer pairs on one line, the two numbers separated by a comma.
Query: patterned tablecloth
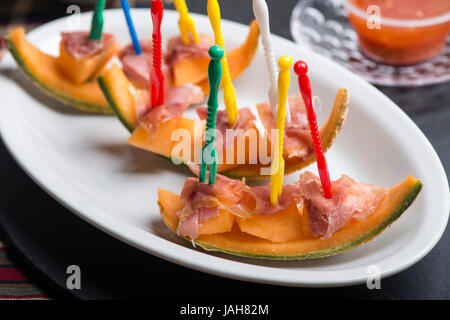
[[14, 284]]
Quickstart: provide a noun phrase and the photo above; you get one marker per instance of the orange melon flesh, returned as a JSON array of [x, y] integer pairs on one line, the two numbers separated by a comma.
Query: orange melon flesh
[[160, 140], [81, 70], [155, 140], [196, 71], [354, 233], [283, 226], [44, 71], [190, 70], [222, 223]]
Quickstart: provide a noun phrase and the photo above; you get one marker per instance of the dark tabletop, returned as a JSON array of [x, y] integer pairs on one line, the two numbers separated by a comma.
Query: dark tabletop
[[47, 237]]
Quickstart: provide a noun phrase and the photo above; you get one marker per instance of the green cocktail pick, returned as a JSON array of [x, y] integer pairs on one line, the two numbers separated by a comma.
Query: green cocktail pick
[[208, 157], [97, 21]]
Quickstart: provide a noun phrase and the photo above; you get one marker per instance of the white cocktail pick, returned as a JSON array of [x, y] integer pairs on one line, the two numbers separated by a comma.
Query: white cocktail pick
[[261, 13]]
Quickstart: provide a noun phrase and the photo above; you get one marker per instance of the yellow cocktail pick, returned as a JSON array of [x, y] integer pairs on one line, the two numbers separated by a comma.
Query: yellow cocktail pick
[[277, 167], [186, 23], [228, 89]]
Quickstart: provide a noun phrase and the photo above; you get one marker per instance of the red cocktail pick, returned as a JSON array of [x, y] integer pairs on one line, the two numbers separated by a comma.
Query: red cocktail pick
[[301, 68], [156, 76]]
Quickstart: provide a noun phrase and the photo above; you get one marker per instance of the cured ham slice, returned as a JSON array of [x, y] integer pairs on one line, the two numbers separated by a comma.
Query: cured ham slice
[[350, 200], [256, 200], [177, 50], [137, 67], [326, 216], [178, 99], [244, 121], [297, 137], [79, 45]]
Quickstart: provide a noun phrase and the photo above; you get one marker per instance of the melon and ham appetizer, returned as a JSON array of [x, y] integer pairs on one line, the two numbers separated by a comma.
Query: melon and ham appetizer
[[182, 64], [298, 145], [81, 58], [185, 63], [130, 104], [70, 77], [232, 217]]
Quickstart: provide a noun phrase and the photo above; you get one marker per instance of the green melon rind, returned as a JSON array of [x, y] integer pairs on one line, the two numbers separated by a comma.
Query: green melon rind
[[78, 104], [339, 124], [117, 111], [404, 204]]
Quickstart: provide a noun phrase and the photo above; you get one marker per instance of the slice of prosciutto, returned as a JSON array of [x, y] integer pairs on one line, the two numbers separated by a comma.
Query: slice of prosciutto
[[244, 121], [138, 67], [350, 199], [177, 50], [203, 201], [297, 137], [177, 99], [79, 45], [256, 200]]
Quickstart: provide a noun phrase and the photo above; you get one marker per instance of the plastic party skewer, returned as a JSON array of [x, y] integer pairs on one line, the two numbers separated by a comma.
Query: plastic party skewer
[[186, 23], [277, 167], [261, 13], [156, 75], [228, 89], [134, 38], [97, 21], [208, 157], [301, 69]]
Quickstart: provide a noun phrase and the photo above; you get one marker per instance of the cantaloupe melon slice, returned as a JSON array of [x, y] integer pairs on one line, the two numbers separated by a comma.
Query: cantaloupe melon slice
[[328, 133], [81, 70], [45, 73], [120, 94], [117, 87], [196, 70], [118, 91], [303, 245]]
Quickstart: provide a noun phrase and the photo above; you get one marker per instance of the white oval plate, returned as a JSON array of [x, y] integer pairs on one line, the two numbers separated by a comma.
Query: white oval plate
[[83, 161]]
